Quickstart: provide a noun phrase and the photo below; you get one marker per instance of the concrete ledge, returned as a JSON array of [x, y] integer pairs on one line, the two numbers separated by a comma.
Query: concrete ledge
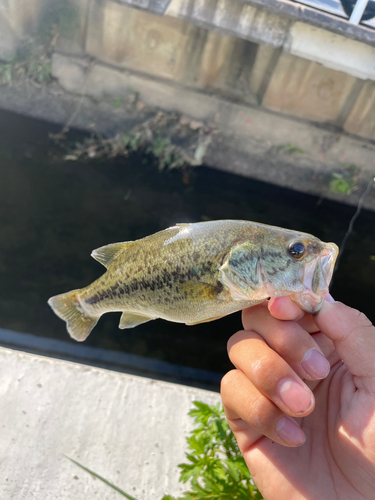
[[112, 360], [315, 17], [156, 6], [252, 138], [130, 430], [239, 17]]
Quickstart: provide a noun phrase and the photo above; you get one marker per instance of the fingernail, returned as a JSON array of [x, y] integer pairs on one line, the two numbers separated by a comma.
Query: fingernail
[[295, 396], [289, 432], [315, 364], [329, 298]]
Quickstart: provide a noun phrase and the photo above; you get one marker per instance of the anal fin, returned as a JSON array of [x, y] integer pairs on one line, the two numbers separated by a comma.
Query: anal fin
[[130, 320]]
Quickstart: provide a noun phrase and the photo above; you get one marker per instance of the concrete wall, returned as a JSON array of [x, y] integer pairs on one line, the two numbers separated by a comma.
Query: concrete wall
[[230, 49], [17, 19]]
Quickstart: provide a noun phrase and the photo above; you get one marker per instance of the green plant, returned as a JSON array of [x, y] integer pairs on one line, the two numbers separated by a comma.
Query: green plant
[[117, 101], [215, 468], [338, 184], [130, 141], [166, 153], [292, 149], [40, 70], [345, 180], [159, 146], [32, 59], [6, 73]]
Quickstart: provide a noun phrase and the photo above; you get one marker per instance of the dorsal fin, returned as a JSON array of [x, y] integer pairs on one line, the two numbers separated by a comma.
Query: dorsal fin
[[107, 254]]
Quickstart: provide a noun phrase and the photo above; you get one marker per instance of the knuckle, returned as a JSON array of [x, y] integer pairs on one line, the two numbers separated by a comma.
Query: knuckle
[[262, 368], [238, 337], [228, 383], [362, 319], [282, 340], [234, 339], [357, 318]]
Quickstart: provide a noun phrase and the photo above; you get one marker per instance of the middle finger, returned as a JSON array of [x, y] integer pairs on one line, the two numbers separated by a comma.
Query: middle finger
[[270, 374]]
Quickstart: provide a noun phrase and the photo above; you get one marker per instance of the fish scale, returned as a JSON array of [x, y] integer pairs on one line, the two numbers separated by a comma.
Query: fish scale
[[193, 273]]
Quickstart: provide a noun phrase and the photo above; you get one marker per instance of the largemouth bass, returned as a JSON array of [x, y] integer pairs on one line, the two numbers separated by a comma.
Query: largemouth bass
[[193, 273]]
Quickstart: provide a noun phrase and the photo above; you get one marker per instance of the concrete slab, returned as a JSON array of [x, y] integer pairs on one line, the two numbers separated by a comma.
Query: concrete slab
[[333, 51], [308, 90], [131, 430], [362, 116], [137, 40]]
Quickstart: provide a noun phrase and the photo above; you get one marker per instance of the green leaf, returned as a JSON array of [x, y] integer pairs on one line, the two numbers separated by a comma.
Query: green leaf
[[129, 497], [197, 444], [292, 149], [217, 470], [233, 470]]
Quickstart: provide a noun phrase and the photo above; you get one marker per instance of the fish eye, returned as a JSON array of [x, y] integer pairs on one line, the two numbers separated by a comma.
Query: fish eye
[[297, 249]]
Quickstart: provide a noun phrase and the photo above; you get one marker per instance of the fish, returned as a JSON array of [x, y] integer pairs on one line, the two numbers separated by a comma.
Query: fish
[[198, 272]]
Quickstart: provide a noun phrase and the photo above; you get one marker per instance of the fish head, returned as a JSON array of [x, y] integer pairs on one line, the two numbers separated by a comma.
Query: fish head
[[314, 272], [277, 262]]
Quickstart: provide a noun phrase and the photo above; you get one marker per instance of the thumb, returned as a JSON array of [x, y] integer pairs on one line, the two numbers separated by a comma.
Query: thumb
[[353, 336]]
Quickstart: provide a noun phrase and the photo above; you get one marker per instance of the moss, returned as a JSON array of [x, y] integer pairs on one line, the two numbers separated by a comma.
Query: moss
[[345, 180]]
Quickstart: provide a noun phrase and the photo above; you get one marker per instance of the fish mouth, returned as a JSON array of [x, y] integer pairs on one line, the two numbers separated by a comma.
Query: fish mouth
[[317, 276]]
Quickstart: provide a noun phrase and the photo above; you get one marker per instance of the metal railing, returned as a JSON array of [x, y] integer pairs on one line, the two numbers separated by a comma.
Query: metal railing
[[358, 11]]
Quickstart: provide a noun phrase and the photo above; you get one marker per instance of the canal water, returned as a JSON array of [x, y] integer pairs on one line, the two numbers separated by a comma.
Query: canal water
[[54, 213]]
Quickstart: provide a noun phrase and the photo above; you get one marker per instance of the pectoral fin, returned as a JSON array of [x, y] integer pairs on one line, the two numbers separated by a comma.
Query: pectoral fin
[[130, 320], [199, 291], [107, 254]]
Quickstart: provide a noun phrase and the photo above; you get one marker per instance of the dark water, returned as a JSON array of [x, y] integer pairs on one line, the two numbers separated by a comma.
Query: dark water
[[53, 214]]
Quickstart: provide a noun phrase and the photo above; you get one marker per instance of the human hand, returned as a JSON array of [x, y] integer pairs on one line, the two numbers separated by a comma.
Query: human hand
[[330, 454]]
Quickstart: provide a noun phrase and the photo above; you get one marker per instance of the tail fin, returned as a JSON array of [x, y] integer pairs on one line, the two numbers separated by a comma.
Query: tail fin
[[68, 308]]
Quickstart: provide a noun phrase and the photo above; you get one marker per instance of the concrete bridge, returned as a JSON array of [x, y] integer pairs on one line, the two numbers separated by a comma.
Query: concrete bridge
[[273, 54]]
